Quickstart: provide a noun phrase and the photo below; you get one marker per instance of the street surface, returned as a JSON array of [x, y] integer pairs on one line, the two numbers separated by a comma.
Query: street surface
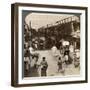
[[52, 65]]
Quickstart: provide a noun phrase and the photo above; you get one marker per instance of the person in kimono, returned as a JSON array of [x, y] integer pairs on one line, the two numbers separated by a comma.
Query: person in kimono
[[44, 66]]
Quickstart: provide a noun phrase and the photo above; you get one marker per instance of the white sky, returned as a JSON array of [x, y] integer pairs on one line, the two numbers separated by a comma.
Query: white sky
[[42, 19]]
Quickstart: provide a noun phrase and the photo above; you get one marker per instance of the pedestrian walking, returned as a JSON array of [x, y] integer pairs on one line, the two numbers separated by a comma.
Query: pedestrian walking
[[59, 64], [62, 65], [44, 66], [66, 58]]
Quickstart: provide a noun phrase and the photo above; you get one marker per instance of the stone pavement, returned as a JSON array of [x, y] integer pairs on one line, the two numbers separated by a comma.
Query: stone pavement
[[52, 65]]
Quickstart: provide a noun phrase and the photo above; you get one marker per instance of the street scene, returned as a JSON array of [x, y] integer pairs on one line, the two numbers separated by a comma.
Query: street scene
[[51, 45]]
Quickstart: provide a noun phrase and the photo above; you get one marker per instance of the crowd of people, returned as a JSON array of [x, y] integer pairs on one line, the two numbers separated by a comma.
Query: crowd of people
[[64, 51], [65, 56], [31, 57]]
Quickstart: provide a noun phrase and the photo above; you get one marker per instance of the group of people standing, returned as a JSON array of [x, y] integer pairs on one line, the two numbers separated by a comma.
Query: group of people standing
[[65, 56], [39, 69]]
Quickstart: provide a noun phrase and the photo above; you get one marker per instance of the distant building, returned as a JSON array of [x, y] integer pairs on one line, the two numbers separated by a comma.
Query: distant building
[[68, 29]]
